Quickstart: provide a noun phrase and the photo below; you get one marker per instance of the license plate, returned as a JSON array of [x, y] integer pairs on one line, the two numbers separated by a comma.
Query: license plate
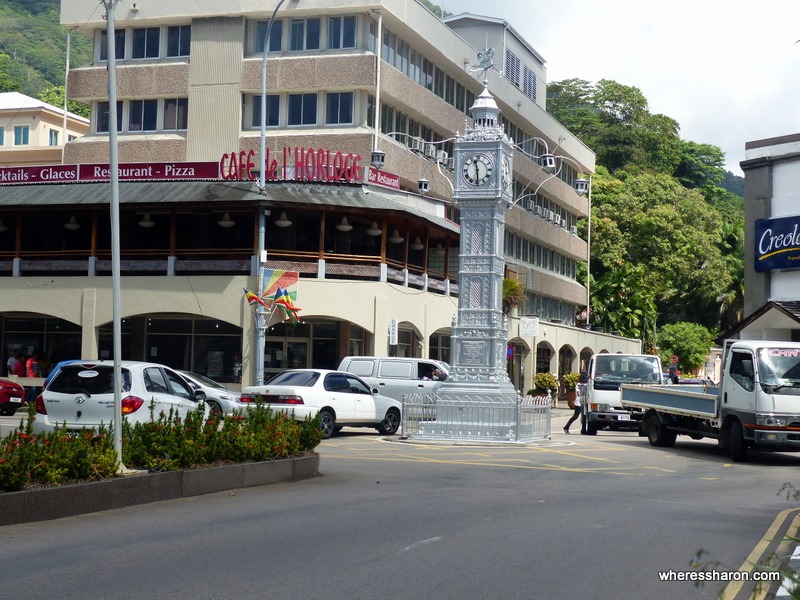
[[15, 399], [623, 417]]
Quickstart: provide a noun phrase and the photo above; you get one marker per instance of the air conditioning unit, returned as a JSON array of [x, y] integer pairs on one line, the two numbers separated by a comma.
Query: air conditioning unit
[[550, 215], [537, 210], [450, 163], [557, 219], [441, 156], [574, 230], [417, 145], [430, 151]]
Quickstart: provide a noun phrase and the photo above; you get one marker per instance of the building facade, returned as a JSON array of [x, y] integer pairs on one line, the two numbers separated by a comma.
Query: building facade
[[33, 132], [772, 243], [375, 246]]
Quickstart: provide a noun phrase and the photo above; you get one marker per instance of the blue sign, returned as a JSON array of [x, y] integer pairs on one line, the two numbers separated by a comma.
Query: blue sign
[[777, 243]]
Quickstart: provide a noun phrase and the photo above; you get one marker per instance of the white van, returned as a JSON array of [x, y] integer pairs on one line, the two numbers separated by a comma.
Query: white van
[[395, 376]]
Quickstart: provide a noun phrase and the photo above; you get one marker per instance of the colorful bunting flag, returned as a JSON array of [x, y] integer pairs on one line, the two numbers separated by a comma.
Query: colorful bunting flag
[[284, 300], [254, 298]]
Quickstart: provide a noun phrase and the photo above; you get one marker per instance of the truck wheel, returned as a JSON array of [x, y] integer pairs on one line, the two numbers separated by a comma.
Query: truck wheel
[[591, 429], [657, 434], [737, 447]]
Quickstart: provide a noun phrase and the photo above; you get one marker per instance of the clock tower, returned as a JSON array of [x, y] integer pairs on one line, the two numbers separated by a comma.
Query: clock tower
[[483, 190]]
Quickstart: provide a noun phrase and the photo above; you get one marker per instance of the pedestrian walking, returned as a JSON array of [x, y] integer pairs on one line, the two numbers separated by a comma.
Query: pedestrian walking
[[576, 409]]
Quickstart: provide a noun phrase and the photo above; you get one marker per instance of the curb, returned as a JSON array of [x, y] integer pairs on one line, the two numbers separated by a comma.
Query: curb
[[43, 504]]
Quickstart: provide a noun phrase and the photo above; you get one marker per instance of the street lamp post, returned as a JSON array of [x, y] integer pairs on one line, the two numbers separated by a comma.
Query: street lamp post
[[262, 246], [113, 164]]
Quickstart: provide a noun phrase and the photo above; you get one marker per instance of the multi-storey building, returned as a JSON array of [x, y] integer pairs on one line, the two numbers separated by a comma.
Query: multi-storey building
[[33, 132], [375, 246]]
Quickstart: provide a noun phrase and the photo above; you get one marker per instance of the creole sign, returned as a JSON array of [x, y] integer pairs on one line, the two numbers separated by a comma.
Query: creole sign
[[777, 243]]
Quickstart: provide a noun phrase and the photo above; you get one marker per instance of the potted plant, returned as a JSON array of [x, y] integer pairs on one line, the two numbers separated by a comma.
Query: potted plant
[[543, 382], [513, 294], [570, 382]]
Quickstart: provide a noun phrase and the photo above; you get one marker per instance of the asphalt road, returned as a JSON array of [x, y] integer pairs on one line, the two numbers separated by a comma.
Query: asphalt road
[[574, 517]]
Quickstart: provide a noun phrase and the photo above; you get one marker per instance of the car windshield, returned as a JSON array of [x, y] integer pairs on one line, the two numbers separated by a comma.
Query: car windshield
[[205, 380], [298, 378], [92, 379], [779, 367], [627, 369]]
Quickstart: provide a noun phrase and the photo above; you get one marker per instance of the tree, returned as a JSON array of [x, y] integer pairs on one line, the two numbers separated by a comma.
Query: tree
[[54, 95], [701, 165], [689, 341]]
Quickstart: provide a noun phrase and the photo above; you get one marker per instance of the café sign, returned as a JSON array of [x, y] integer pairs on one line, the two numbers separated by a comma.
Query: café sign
[[294, 164], [777, 243]]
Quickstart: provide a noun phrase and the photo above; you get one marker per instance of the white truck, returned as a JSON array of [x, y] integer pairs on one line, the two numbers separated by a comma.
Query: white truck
[[756, 405], [601, 405]]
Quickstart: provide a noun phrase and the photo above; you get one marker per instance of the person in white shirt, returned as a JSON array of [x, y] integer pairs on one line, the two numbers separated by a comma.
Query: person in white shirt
[[12, 360]]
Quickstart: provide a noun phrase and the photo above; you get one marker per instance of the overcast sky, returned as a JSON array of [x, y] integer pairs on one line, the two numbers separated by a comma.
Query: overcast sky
[[728, 71]]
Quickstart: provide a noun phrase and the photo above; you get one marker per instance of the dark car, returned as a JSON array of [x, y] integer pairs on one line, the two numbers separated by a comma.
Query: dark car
[[12, 396]]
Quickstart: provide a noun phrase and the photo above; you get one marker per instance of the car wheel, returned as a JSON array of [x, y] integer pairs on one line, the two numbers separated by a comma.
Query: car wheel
[[390, 423], [327, 423], [214, 408], [737, 447]]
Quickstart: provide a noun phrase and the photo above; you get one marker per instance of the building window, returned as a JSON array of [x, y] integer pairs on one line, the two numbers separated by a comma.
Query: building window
[[52, 137], [529, 83], [2, 136], [22, 135], [102, 117], [305, 34], [302, 109], [339, 108], [179, 38], [275, 36], [341, 32], [143, 115], [146, 43], [273, 110], [512, 67], [119, 45], [69, 138], [176, 111]]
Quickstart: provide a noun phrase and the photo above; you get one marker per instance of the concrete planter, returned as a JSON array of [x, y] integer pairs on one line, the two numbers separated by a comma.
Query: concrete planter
[[80, 498]]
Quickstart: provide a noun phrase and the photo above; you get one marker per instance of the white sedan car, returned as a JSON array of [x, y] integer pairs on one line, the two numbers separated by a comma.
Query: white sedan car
[[220, 400], [81, 395], [339, 398]]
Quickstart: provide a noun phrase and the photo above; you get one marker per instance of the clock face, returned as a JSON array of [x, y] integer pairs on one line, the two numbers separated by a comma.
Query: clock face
[[505, 174], [477, 169]]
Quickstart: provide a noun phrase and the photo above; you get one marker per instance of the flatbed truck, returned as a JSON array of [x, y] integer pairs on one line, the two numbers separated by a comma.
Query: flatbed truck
[[600, 390], [756, 406]]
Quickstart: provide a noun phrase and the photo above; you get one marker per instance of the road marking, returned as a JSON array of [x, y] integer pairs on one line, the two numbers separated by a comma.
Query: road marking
[[732, 589], [419, 544]]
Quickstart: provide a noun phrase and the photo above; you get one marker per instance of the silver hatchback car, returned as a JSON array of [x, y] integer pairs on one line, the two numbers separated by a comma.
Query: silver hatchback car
[[81, 395]]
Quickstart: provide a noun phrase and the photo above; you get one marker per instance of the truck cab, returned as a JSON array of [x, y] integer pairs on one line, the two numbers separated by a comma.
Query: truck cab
[[601, 400]]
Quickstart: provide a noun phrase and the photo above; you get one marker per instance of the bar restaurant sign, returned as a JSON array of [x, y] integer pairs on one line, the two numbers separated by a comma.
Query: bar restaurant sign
[[292, 164], [777, 243]]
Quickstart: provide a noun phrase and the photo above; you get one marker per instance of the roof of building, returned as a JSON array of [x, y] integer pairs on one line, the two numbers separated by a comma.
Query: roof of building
[[211, 192], [774, 314], [18, 101]]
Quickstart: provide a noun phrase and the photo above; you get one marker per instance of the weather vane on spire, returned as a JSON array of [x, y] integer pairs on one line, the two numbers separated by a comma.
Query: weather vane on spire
[[485, 62]]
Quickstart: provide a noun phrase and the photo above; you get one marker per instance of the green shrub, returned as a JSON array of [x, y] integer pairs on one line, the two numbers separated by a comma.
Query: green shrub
[[542, 382], [165, 443], [571, 381]]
